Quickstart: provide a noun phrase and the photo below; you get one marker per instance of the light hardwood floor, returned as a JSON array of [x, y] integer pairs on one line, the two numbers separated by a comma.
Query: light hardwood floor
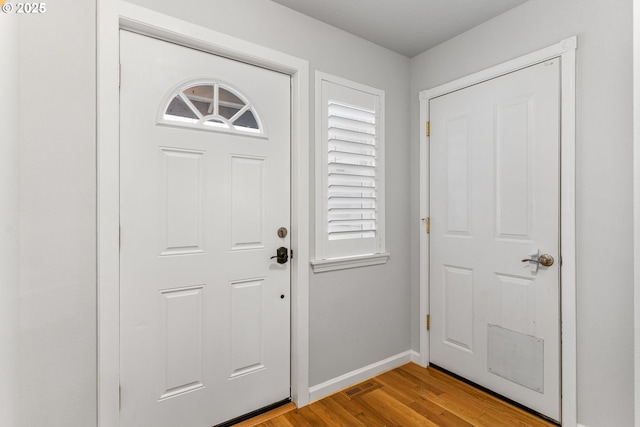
[[406, 396]]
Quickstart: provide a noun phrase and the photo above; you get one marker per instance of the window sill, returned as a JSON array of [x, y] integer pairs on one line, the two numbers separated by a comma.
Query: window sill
[[320, 266]]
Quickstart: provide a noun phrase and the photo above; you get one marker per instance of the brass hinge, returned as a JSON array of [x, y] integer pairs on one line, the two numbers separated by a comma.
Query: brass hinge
[[428, 128], [427, 224], [428, 322]]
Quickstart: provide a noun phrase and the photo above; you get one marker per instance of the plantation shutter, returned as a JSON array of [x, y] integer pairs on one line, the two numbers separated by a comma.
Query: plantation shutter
[[352, 173], [352, 179]]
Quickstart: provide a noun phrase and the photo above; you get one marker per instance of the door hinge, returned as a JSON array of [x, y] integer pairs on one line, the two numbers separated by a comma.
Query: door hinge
[[119, 237], [428, 322], [119, 75], [120, 397], [427, 224], [428, 129]]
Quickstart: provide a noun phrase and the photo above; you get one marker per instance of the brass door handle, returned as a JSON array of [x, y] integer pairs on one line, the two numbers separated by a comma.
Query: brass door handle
[[544, 259]]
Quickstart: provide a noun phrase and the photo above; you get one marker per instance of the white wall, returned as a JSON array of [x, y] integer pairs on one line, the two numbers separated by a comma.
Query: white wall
[[9, 219], [604, 175], [359, 316], [58, 216]]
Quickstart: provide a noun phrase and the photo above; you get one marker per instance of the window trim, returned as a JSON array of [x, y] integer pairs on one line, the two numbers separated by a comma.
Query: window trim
[[322, 261], [322, 265]]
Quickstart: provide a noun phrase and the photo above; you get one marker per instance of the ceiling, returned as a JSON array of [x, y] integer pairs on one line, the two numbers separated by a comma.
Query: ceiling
[[408, 27]]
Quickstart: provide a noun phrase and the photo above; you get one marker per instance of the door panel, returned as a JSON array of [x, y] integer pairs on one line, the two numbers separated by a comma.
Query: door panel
[[494, 176], [204, 311]]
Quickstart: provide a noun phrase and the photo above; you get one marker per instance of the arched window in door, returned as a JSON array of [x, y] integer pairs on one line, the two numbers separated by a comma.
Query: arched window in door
[[211, 106]]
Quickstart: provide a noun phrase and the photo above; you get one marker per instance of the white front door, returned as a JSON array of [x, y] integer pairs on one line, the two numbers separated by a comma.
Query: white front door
[[204, 189], [494, 201]]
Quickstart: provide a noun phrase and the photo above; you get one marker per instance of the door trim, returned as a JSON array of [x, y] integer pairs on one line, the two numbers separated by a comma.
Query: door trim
[[113, 16], [565, 51], [636, 207]]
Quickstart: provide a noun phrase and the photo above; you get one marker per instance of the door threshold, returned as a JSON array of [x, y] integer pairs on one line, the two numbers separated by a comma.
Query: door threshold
[[253, 414], [494, 394]]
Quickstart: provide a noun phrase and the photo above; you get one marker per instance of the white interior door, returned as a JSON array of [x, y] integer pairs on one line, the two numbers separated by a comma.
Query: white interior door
[[204, 189], [494, 201]]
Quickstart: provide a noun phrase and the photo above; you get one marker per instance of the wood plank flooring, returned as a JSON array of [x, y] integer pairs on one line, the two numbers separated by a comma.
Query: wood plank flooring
[[406, 396]]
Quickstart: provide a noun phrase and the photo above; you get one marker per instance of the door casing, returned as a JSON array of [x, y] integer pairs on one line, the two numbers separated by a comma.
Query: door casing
[[565, 52], [113, 16]]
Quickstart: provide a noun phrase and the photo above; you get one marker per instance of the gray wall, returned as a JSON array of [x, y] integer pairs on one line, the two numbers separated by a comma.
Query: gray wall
[[58, 216], [9, 219], [358, 316], [604, 175]]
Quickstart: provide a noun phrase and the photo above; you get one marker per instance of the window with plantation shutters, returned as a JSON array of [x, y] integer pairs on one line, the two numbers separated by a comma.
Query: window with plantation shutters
[[349, 174], [351, 180]]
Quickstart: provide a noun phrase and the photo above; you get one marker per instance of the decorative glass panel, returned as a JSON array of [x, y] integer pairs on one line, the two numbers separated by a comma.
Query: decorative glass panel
[[227, 97], [247, 120], [204, 92], [178, 108], [212, 106]]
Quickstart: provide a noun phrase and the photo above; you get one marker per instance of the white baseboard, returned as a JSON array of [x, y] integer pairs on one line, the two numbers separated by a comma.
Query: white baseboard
[[350, 378]]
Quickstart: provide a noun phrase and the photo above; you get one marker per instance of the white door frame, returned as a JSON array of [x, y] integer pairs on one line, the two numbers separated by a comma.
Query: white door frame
[[113, 16], [565, 51], [636, 206]]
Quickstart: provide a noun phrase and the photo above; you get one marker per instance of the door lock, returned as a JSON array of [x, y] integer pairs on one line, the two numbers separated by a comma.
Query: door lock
[[282, 255]]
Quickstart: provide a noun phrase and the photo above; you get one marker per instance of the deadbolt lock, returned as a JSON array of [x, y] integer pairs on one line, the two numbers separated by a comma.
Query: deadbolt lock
[[282, 232]]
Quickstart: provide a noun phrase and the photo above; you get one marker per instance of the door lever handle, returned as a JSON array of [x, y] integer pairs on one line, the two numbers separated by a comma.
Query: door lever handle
[[282, 255], [544, 259]]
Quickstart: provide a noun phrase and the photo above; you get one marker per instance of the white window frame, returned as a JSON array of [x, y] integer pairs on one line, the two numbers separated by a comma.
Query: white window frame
[[352, 256]]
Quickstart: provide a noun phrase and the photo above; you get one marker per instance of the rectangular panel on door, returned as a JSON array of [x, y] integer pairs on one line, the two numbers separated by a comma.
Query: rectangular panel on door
[[458, 300], [247, 202], [182, 340], [515, 182], [182, 201], [246, 326]]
